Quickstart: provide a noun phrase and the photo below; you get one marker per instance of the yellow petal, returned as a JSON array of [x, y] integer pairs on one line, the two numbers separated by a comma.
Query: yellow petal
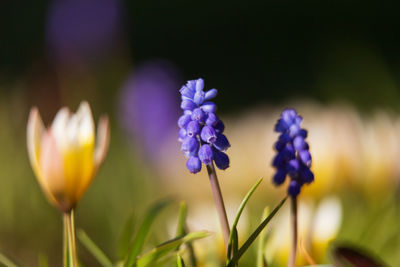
[[78, 156]]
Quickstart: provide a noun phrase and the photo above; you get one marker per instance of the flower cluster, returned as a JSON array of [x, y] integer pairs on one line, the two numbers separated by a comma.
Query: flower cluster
[[201, 132], [293, 157]]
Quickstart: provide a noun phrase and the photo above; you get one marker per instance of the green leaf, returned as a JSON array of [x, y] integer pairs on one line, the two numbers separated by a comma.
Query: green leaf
[[141, 235], [152, 256], [181, 219], [254, 235], [6, 261], [238, 214], [261, 243], [179, 261], [96, 252], [126, 236]]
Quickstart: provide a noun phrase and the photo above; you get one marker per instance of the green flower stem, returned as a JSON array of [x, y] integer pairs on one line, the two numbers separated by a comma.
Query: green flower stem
[[293, 254], [70, 259], [219, 202]]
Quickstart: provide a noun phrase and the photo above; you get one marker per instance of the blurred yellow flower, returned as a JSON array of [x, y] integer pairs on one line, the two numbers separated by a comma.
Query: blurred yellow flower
[[65, 157]]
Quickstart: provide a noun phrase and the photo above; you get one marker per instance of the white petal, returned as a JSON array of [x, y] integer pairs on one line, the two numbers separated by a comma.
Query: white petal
[[59, 127], [327, 219], [86, 124]]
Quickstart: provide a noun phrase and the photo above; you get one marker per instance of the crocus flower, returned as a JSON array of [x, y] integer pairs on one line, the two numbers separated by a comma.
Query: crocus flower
[[293, 157], [201, 132], [66, 156]]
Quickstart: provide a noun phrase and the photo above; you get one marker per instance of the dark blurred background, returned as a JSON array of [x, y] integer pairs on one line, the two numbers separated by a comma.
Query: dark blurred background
[[260, 51]]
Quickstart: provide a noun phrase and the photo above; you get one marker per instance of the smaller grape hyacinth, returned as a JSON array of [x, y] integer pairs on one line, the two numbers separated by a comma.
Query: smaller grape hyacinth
[[201, 132], [293, 157]]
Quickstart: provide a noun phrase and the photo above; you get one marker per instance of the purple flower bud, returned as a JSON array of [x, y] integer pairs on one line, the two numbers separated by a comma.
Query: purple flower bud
[[209, 107], [184, 120], [208, 134], [299, 143], [305, 157], [198, 115], [199, 97], [221, 143], [210, 94], [293, 166], [190, 145], [303, 133], [281, 126], [294, 129], [279, 177], [181, 134], [221, 160], [199, 84], [193, 128], [306, 175], [187, 92], [187, 104], [288, 116], [219, 126], [279, 161], [206, 154], [193, 164], [211, 119], [294, 188]]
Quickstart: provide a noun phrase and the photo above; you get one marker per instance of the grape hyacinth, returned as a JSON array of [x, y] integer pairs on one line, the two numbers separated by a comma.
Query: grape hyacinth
[[201, 132], [293, 157]]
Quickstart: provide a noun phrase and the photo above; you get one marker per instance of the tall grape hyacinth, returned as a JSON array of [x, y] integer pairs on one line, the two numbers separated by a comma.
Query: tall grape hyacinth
[[293, 157], [201, 132]]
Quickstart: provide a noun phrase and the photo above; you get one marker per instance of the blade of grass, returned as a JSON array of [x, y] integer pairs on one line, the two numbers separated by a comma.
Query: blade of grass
[[152, 256], [96, 252], [179, 261], [6, 261], [181, 219], [261, 242], [238, 214], [126, 236], [141, 235], [254, 235]]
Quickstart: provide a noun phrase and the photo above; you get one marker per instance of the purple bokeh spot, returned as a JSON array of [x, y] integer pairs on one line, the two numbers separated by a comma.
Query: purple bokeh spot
[[149, 106], [82, 29]]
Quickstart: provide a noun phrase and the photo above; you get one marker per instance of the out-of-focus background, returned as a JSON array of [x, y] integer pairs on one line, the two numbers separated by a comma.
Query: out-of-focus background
[[337, 64]]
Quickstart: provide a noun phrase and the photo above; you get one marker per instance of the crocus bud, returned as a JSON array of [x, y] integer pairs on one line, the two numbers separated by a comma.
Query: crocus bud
[[66, 156]]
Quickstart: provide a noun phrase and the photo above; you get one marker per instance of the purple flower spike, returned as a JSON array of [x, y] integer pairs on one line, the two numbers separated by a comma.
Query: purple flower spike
[[193, 164], [201, 130], [293, 157]]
